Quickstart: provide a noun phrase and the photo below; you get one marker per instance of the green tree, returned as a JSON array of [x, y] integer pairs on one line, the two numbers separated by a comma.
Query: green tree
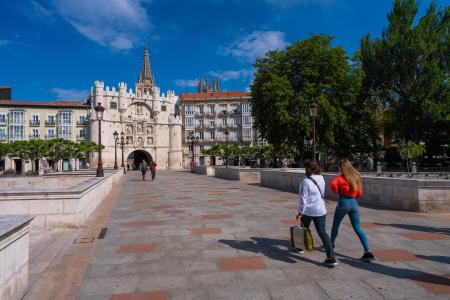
[[407, 69], [409, 151], [285, 84]]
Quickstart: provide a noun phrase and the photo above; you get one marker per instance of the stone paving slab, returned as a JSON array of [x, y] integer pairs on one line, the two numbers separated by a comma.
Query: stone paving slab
[[185, 236]]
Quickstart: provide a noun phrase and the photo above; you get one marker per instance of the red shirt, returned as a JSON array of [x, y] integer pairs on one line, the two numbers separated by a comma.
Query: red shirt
[[341, 186], [153, 167]]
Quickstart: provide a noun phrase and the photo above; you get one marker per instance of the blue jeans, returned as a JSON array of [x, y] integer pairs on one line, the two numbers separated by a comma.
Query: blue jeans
[[348, 206], [319, 223]]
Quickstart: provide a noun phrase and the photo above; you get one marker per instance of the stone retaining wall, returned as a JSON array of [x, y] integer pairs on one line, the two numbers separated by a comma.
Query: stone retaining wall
[[14, 254], [245, 175], [67, 208], [395, 193]]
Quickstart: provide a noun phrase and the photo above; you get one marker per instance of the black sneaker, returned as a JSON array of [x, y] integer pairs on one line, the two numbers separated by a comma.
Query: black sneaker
[[368, 256], [331, 262], [300, 250]]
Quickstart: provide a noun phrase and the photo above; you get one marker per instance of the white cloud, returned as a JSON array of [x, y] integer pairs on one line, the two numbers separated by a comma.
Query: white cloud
[[256, 44], [118, 24], [40, 10], [69, 94], [186, 82], [232, 75]]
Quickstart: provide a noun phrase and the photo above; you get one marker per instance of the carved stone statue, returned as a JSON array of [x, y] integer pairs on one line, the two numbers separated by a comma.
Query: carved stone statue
[[140, 142], [149, 140], [140, 127], [150, 129], [129, 129]]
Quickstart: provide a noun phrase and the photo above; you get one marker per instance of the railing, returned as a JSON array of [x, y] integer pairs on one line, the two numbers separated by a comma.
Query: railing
[[198, 126], [222, 126], [210, 114], [199, 114], [49, 137], [246, 138], [35, 137], [35, 123], [82, 123], [81, 138], [50, 123]]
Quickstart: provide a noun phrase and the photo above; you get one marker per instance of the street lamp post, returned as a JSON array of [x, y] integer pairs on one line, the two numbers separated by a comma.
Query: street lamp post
[[227, 133], [116, 139], [313, 108], [122, 144], [99, 109], [193, 140]]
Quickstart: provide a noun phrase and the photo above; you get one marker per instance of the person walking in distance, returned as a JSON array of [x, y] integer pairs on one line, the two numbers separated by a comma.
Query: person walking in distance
[[311, 207], [144, 167], [153, 169], [349, 187]]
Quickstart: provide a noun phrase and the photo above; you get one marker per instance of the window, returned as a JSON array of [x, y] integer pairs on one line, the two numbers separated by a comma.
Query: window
[[34, 134], [17, 117], [200, 123], [212, 135], [246, 108], [236, 121], [191, 147], [200, 135], [200, 109], [50, 133], [202, 147], [82, 119], [82, 134], [163, 108], [189, 122], [65, 132], [212, 109], [233, 136], [247, 133], [17, 132], [51, 119], [2, 118], [35, 119], [2, 133], [223, 107], [224, 122], [65, 118], [247, 120], [113, 105], [16, 128], [212, 124], [189, 110]]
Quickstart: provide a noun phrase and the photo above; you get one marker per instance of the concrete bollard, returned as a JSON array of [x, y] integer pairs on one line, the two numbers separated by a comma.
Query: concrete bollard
[[414, 168], [378, 168]]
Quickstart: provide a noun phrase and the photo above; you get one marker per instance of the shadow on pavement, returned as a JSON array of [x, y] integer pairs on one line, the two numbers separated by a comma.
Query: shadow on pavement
[[419, 228], [436, 258], [275, 249], [394, 272]]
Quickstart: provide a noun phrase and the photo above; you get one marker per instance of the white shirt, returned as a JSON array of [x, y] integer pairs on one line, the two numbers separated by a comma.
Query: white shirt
[[310, 202]]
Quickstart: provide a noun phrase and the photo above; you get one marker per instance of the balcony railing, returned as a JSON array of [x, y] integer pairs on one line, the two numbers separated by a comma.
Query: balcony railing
[[200, 126], [247, 138], [49, 137], [199, 114], [35, 123], [81, 138], [82, 123], [35, 137], [50, 123], [210, 114]]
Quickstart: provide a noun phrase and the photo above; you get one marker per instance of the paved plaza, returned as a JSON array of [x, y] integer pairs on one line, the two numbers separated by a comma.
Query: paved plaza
[[187, 236]]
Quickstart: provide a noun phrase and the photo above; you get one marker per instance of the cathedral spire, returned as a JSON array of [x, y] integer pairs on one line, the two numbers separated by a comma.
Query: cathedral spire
[[146, 81]]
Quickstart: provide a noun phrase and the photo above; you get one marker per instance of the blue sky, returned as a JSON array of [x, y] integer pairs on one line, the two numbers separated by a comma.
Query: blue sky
[[56, 49]]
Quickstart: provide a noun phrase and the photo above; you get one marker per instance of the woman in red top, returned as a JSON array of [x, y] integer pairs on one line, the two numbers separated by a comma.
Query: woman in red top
[[349, 187]]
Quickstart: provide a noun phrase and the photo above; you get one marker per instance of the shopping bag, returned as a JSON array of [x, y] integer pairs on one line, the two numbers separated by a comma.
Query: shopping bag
[[301, 238], [297, 238]]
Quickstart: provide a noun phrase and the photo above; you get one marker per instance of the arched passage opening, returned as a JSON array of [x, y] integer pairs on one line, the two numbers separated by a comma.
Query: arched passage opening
[[137, 156]]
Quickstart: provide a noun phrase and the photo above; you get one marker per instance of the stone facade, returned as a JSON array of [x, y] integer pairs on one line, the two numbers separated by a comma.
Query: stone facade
[[27, 120], [147, 119], [208, 114]]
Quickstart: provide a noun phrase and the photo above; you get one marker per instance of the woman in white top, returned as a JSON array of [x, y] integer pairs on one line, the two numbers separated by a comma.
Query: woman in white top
[[311, 207]]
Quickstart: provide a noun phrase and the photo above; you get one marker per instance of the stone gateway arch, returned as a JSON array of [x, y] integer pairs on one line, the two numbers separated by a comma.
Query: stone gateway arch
[[146, 118]]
